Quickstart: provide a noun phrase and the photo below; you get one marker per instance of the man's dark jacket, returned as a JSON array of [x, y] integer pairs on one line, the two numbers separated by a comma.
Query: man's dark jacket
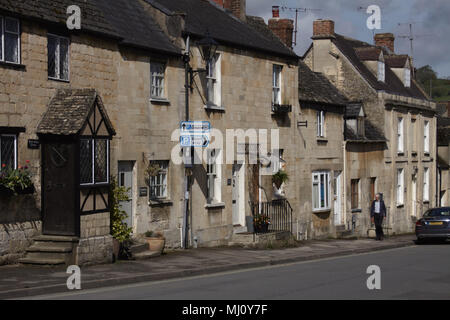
[[382, 209]]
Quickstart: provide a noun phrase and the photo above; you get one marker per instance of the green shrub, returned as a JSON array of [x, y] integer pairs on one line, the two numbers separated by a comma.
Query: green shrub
[[119, 228]]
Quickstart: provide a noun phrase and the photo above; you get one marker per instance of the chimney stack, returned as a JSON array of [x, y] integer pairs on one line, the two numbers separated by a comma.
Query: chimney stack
[[323, 28], [237, 7], [385, 40], [283, 28]]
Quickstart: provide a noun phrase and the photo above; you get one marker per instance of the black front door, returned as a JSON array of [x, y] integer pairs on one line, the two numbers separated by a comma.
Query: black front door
[[59, 208]]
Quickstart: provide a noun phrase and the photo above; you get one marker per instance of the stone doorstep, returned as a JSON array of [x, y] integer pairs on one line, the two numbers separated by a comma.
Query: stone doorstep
[[56, 238], [61, 247]]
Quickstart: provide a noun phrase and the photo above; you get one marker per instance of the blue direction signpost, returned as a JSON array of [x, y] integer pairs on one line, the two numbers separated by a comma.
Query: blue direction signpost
[[195, 134]]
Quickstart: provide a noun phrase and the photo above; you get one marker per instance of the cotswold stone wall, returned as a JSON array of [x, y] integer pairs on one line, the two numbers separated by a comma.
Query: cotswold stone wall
[[20, 221], [15, 238], [96, 244]]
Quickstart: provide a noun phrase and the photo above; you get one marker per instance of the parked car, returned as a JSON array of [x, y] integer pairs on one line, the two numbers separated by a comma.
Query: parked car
[[434, 224]]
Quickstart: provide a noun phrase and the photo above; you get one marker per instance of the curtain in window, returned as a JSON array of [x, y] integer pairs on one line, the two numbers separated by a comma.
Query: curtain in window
[[52, 46], [64, 59], [11, 36], [157, 71], [211, 80]]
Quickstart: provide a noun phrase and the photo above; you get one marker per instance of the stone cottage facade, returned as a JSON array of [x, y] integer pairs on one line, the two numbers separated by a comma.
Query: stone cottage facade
[[396, 110]]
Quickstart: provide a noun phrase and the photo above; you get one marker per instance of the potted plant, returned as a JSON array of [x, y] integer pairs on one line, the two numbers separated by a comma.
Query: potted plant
[[261, 223], [279, 178], [16, 181], [156, 241]]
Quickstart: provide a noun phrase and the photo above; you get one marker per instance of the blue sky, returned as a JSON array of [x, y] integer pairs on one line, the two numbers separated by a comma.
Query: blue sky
[[430, 22]]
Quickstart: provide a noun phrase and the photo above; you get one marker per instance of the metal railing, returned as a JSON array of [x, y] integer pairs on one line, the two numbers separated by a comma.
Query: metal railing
[[272, 216]]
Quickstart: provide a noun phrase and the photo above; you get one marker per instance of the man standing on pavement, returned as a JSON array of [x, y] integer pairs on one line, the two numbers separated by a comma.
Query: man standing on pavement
[[377, 214]]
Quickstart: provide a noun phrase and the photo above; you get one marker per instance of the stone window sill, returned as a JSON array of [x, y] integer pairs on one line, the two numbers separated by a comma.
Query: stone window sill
[[58, 80], [160, 202], [12, 65], [356, 210], [322, 211], [322, 140], [159, 101], [215, 205], [213, 107], [400, 205]]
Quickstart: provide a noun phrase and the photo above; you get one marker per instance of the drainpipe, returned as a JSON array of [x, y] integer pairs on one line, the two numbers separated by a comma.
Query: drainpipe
[[185, 231], [344, 147]]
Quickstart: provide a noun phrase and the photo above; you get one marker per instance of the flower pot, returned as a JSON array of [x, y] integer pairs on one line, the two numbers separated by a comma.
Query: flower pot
[[27, 190], [156, 244]]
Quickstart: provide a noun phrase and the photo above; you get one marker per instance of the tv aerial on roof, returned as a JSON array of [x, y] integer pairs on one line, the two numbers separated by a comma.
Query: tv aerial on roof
[[297, 11]]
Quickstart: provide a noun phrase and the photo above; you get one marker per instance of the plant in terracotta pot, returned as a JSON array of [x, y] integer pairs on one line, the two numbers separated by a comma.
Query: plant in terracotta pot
[[279, 178], [155, 240], [16, 181]]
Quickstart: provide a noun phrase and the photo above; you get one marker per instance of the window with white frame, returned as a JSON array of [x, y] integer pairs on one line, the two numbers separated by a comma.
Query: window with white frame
[[213, 81], [9, 40], [321, 190], [400, 186], [213, 173], [413, 135], [426, 136], [94, 161], [276, 84], [8, 151], [320, 124], [381, 71], [58, 57], [407, 77], [157, 82], [426, 184], [158, 182], [400, 136]]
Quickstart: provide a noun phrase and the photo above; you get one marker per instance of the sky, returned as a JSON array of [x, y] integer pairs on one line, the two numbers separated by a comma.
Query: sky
[[430, 20]]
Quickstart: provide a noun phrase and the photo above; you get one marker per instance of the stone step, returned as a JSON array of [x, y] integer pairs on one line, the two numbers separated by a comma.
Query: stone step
[[48, 255], [57, 247], [49, 238], [42, 261]]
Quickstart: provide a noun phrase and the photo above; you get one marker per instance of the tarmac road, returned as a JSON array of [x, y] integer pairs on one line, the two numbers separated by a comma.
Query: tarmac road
[[417, 272]]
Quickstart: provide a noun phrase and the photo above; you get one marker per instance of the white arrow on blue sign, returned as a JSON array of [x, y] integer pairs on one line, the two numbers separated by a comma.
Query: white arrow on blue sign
[[195, 126], [194, 140]]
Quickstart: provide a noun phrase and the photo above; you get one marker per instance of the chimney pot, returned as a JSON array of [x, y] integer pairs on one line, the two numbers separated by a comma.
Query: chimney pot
[[275, 11], [323, 28], [385, 40]]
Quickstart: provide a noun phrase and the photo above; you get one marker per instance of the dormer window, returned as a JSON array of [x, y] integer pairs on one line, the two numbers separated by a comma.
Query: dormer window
[[381, 71], [407, 77]]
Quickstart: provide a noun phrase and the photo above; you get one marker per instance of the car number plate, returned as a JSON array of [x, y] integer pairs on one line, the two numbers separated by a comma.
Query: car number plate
[[436, 223]]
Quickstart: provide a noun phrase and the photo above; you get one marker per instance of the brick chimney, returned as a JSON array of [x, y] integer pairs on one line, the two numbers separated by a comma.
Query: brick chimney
[[283, 28], [237, 7], [323, 28], [385, 40]]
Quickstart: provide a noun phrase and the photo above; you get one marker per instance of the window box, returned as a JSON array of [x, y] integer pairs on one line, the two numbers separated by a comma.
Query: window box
[[212, 107], [215, 205], [281, 108]]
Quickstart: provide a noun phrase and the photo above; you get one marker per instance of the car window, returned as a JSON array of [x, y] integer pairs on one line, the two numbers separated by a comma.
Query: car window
[[438, 213]]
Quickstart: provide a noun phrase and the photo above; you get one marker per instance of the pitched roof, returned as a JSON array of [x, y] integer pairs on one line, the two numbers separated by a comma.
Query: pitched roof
[[368, 53], [315, 87], [396, 61], [203, 17], [124, 20], [371, 134], [392, 84], [353, 110], [69, 110]]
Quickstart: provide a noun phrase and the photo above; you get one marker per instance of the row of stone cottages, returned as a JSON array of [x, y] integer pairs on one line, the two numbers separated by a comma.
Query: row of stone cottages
[[80, 106]]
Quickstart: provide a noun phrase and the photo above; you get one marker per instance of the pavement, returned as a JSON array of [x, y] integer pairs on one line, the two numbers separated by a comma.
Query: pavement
[[25, 281]]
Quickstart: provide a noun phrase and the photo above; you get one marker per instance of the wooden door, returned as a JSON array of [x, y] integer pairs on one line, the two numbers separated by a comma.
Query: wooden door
[[59, 209]]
